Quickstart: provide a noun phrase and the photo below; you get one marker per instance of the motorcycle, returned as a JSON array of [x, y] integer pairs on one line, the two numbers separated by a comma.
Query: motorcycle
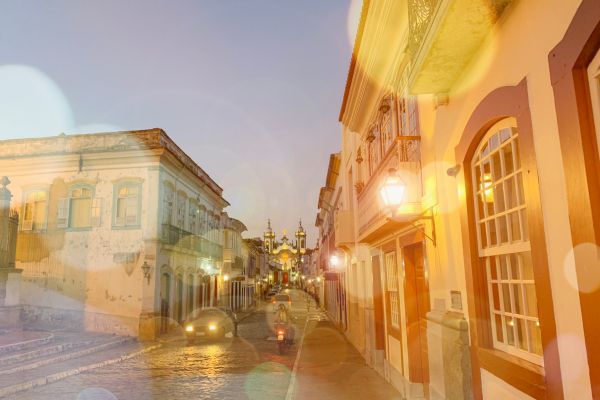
[[285, 337]]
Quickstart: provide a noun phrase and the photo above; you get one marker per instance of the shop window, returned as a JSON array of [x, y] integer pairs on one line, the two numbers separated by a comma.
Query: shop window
[[503, 242]]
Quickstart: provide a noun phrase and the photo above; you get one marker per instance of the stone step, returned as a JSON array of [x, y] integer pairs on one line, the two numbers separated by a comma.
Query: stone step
[[73, 352], [18, 341], [49, 373], [58, 345]]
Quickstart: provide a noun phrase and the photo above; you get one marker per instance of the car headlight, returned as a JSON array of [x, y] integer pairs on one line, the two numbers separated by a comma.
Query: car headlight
[[212, 327], [189, 328]]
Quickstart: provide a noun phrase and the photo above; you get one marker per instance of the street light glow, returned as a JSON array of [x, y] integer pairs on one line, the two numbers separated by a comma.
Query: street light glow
[[226, 277], [334, 260], [393, 190]]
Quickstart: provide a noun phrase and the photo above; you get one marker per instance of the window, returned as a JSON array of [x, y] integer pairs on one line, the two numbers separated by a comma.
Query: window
[[80, 209], [35, 211], [193, 216], [392, 288], [127, 205], [181, 203], [168, 200], [503, 242]]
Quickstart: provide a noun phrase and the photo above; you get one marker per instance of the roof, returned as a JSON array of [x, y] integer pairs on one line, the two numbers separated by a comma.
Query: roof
[[357, 40], [145, 139]]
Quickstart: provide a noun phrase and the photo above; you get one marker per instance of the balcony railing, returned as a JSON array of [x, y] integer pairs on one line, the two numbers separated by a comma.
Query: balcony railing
[[183, 239], [405, 157]]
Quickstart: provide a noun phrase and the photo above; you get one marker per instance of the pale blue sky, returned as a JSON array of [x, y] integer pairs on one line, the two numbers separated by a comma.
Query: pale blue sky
[[250, 89]]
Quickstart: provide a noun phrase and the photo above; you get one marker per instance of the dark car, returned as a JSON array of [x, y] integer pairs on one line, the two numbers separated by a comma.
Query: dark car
[[209, 323]]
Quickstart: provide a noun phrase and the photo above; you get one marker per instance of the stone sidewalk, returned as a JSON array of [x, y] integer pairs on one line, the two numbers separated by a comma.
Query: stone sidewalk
[[329, 367]]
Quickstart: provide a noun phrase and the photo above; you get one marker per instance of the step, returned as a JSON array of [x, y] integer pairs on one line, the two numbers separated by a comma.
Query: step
[[59, 345], [13, 383], [64, 356], [25, 340]]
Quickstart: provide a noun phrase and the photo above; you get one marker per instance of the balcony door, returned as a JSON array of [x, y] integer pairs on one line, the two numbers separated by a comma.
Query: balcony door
[[416, 297]]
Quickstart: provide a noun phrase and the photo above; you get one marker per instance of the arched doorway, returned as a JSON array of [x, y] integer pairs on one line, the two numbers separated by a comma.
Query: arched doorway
[[165, 291]]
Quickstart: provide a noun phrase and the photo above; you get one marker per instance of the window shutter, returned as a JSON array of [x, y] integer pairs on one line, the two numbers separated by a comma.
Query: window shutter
[[62, 220], [96, 212]]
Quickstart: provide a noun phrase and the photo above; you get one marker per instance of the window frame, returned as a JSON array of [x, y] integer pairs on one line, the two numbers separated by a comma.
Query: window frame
[[95, 203], [26, 193], [116, 188]]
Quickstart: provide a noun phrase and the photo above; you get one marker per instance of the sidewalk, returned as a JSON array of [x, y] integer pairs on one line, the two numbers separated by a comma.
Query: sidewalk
[[329, 367]]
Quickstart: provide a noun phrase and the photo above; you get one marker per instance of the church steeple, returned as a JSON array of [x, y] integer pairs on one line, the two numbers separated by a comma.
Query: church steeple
[[301, 237], [269, 238]]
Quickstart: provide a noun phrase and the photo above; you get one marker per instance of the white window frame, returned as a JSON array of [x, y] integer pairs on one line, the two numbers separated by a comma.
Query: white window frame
[[486, 190], [125, 224], [29, 225]]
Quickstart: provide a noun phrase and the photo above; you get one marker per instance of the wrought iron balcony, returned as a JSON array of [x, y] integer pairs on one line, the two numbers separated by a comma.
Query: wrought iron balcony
[[405, 157]]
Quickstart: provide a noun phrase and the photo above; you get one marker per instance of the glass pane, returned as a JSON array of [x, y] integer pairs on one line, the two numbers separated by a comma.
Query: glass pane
[[519, 180], [535, 335], [492, 230], [123, 192], [503, 267], [526, 266], [508, 159], [120, 208], [499, 335], [518, 299], [510, 335], [505, 134], [493, 142], [76, 193], [503, 229], [506, 297], [499, 197], [522, 334], [492, 267], [496, 297], [483, 235], [531, 299], [515, 227], [511, 193], [514, 267], [516, 154], [480, 207], [524, 224], [86, 193], [132, 190], [497, 166]]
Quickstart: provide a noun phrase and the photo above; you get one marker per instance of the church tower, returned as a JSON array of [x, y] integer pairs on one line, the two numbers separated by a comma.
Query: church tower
[[269, 239], [301, 238]]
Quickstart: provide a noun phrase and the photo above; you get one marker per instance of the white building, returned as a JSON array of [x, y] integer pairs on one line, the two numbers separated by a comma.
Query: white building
[[119, 232]]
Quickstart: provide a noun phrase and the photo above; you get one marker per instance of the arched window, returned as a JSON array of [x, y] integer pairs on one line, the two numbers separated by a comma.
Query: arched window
[[503, 242]]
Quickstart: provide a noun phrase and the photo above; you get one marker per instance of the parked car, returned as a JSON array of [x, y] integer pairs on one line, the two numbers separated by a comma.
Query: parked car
[[209, 323], [284, 299]]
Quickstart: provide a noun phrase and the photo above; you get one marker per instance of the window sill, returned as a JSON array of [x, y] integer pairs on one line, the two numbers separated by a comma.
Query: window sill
[[526, 376], [125, 228], [89, 228]]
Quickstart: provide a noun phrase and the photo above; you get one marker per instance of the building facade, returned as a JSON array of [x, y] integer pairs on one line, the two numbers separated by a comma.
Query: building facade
[[118, 232], [478, 285]]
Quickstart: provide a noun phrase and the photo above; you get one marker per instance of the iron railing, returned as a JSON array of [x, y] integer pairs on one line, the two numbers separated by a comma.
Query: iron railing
[[9, 222]]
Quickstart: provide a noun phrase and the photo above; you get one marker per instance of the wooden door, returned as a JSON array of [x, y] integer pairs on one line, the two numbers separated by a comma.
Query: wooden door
[[416, 297], [378, 305]]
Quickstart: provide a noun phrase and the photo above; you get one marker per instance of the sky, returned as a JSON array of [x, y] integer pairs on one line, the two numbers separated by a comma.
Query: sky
[[250, 89]]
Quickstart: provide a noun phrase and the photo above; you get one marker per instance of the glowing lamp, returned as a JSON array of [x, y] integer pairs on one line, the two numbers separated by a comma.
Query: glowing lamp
[[334, 260], [393, 190], [225, 277]]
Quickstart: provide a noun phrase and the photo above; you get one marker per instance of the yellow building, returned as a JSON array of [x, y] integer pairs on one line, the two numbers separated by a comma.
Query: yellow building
[[484, 281]]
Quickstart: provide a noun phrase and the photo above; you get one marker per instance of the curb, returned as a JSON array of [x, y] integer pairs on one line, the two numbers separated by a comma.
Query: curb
[[8, 390]]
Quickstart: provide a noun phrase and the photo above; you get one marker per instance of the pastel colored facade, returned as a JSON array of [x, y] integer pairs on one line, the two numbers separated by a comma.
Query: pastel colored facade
[[479, 285], [118, 232]]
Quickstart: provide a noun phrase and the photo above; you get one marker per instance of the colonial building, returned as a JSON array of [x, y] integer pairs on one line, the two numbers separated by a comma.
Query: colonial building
[[472, 277], [119, 232]]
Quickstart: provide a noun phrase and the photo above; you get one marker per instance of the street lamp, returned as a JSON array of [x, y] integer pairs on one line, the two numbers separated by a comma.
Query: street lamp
[[393, 193], [146, 270], [226, 277], [393, 190], [334, 261]]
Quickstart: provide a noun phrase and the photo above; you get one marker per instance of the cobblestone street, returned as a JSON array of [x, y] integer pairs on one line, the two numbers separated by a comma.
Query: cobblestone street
[[247, 367]]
